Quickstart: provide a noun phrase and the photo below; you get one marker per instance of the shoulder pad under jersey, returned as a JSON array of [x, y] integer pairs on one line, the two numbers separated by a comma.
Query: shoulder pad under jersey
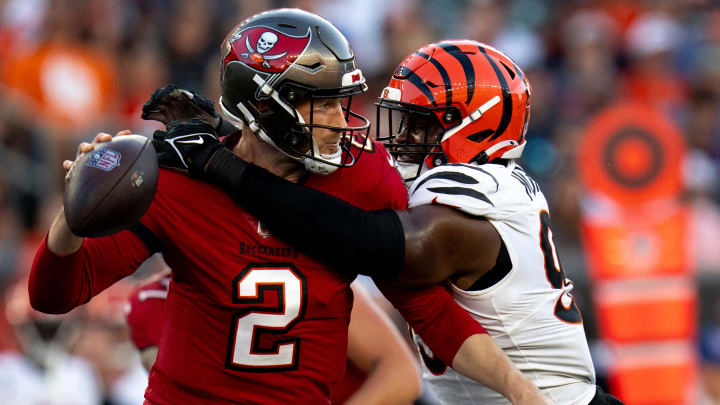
[[491, 190]]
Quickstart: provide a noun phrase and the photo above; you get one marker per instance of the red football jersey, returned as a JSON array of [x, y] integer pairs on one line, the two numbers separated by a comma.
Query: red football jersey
[[248, 319], [146, 313], [247, 316]]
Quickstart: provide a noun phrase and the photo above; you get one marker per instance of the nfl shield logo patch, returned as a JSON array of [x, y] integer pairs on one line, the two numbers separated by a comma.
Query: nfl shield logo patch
[[104, 159]]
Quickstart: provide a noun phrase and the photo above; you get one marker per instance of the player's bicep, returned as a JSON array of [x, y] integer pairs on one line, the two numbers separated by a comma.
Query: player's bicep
[[441, 241]]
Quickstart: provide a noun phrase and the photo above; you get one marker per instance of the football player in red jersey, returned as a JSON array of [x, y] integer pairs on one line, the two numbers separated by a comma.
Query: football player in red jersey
[[249, 318], [378, 358]]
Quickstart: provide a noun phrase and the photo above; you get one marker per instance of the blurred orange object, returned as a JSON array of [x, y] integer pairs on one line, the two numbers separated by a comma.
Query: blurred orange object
[[642, 310], [632, 154], [72, 86], [645, 242], [662, 374]]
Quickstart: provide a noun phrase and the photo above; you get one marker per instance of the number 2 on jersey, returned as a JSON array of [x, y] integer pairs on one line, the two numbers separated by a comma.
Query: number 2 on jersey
[[257, 286], [555, 273]]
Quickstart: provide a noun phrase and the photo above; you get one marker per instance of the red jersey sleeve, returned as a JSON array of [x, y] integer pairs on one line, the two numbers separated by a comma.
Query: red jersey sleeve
[[60, 283], [146, 313], [432, 313], [395, 193]]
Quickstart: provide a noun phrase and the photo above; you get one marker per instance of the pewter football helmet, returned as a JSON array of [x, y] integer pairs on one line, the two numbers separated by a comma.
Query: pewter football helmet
[[276, 59]]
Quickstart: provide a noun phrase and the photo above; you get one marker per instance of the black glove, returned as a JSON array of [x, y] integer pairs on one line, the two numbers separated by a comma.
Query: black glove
[[172, 103], [186, 145]]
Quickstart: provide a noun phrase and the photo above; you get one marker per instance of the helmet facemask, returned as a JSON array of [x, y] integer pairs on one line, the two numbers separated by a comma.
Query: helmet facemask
[[413, 134], [300, 142]]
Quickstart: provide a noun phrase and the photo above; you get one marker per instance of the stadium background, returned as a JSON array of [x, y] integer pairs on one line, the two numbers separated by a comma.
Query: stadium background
[[72, 68]]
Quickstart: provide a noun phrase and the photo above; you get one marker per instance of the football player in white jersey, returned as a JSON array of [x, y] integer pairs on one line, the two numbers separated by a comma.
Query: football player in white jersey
[[456, 114]]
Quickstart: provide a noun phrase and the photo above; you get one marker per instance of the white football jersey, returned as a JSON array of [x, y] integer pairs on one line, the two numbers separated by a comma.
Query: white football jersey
[[530, 312]]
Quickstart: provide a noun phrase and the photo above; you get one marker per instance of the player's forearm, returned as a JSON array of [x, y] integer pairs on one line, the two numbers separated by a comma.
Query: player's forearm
[[61, 240], [392, 382], [480, 359], [55, 285]]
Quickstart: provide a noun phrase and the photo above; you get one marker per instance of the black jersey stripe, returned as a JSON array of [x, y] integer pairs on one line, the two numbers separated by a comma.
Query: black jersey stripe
[[497, 184], [152, 242], [452, 176], [531, 186], [525, 183], [468, 192], [467, 66], [507, 98]]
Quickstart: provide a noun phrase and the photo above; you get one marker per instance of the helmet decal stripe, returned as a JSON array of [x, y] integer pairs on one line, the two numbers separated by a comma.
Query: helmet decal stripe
[[507, 97], [420, 84], [467, 66], [443, 73]]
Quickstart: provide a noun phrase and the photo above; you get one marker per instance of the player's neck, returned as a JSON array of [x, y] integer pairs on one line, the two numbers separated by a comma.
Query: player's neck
[[255, 151]]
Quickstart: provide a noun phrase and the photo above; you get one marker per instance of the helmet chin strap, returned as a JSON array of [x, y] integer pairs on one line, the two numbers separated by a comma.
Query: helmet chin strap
[[320, 167]]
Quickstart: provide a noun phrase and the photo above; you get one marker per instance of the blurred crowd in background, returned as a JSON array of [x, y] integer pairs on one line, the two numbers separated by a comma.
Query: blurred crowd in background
[[72, 68]]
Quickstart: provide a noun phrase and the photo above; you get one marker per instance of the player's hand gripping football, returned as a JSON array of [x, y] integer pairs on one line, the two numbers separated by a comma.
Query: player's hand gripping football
[[187, 145], [172, 103], [61, 240], [85, 147]]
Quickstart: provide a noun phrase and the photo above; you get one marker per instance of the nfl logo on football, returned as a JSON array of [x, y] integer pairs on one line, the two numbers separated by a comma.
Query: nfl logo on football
[[104, 159]]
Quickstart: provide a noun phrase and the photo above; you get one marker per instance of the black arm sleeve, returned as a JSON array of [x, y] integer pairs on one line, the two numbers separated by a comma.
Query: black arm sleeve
[[347, 238]]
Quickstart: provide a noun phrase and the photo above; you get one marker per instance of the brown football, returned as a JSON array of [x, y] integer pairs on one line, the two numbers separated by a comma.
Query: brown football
[[110, 188]]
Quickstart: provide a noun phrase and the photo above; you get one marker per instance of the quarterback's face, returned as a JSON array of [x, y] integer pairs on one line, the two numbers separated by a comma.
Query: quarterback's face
[[325, 112]]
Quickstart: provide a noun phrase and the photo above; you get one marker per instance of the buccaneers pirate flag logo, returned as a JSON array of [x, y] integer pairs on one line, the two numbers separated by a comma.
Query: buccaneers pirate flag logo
[[266, 49]]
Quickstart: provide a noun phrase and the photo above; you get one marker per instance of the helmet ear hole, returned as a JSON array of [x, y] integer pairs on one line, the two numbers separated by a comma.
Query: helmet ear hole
[[263, 107]]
